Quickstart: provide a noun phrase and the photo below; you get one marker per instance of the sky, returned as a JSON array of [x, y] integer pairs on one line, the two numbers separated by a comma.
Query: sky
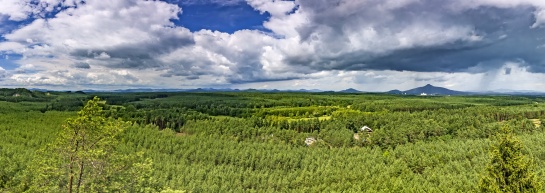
[[369, 45]]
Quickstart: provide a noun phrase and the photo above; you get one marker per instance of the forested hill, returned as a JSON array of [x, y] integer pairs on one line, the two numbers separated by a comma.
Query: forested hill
[[429, 90], [22, 94]]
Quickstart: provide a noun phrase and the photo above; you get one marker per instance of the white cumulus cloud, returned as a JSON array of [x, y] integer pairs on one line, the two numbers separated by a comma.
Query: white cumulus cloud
[[313, 43]]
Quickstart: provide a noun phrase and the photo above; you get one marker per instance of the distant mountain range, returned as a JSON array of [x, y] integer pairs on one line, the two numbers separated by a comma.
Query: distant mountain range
[[202, 90], [424, 90], [428, 90]]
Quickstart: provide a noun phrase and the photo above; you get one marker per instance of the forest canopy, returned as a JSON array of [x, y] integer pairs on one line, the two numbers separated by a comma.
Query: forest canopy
[[259, 142]]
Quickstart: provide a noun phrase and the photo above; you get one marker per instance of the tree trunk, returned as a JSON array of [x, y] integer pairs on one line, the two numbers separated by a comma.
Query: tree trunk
[[81, 165], [71, 169], [71, 177], [80, 176]]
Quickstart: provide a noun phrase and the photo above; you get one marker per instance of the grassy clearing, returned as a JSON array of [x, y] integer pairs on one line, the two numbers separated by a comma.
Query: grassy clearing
[[536, 122], [322, 118]]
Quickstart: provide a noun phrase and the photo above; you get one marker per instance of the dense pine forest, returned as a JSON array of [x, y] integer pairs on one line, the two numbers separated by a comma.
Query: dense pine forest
[[265, 142]]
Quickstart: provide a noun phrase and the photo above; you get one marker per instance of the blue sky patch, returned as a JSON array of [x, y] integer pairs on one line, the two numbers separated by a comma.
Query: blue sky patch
[[224, 18], [7, 61]]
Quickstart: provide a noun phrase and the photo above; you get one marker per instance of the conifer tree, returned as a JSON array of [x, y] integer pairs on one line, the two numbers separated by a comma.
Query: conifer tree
[[509, 170], [84, 158]]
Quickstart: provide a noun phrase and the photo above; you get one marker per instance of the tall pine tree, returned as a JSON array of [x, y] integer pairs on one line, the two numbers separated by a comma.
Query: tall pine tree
[[509, 170], [84, 158]]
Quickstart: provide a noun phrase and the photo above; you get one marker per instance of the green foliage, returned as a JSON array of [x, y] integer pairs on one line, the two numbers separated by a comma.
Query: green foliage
[[83, 158], [22, 94], [335, 134], [509, 170], [254, 142]]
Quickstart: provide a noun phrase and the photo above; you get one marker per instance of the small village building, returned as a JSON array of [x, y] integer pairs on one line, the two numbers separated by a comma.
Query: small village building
[[310, 140], [366, 129]]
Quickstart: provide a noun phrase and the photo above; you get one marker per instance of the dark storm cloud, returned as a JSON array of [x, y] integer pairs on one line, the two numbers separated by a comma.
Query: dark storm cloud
[[127, 57], [139, 55], [240, 80], [182, 72], [3, 74], [507, 71], [505, 34], [249, 71], [433, 79], [244, 72], [82, 65], [192, 77]]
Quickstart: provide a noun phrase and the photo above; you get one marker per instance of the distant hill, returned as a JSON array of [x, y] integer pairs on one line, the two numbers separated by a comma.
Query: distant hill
[[23, 94], [17, 92], [312, 90], [428, 90], [350, 90], [395, 92]]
